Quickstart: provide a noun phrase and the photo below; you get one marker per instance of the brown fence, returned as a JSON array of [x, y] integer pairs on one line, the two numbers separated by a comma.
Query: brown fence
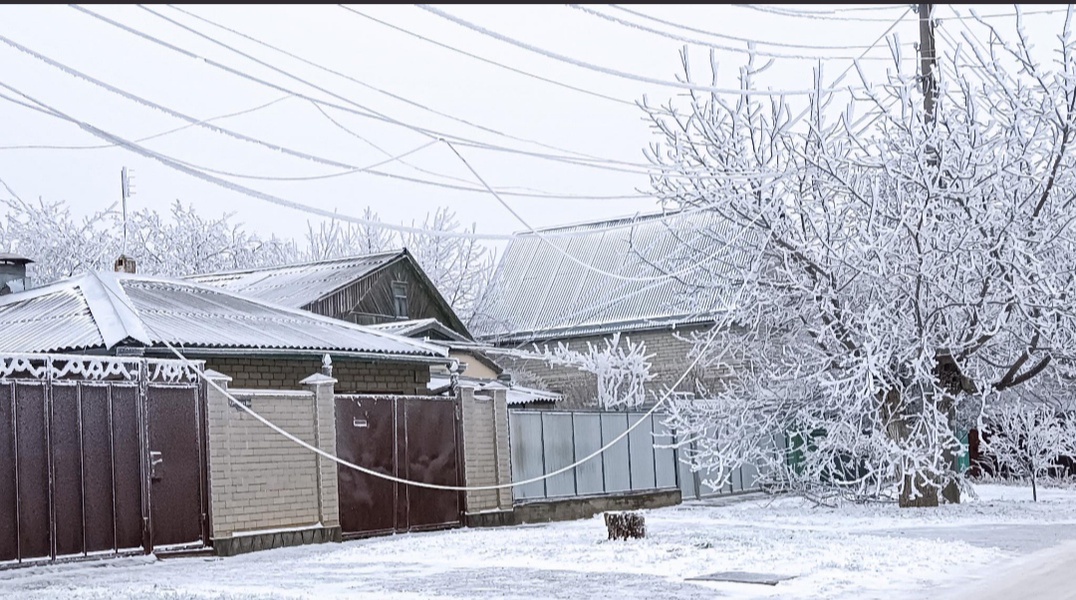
[[99, 455], [409, 437]]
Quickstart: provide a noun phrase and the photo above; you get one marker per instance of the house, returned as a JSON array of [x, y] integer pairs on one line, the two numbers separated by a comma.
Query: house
[[582, 283], [371, 289], [388, 291], [259, 345]]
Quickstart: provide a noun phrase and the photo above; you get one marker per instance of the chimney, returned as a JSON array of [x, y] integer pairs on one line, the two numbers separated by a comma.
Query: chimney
[[125, 264], [13, 273]]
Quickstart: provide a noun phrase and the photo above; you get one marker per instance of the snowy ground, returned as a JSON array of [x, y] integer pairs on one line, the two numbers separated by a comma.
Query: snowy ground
[[850, 552]]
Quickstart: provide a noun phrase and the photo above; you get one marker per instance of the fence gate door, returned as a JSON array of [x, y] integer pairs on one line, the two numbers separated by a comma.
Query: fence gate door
[[428, 453], [366, 436], [177, 492]]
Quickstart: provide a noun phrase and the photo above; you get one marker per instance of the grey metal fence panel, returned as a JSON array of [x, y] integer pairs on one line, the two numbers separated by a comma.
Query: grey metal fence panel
[[588, 439], [641, 452], [688, 487], [616, 460], [664, 458], [525, 434], [559, 451]]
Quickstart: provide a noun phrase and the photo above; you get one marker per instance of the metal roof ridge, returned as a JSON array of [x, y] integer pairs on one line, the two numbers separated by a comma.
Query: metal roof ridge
[[112, 310], [386, 253], [636, 217]]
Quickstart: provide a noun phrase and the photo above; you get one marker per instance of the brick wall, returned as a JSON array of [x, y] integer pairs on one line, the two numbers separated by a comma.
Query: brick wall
[[579, 388], [353, 377], [486, 453], [260, 480]]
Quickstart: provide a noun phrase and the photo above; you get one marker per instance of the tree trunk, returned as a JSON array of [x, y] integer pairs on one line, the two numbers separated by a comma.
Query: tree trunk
[[917, 492], [1034, 488]]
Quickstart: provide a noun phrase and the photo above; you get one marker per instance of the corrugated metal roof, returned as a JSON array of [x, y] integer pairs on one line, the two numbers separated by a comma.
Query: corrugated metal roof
[[516, 395], [539, 293], [99, 309], [298, 285]]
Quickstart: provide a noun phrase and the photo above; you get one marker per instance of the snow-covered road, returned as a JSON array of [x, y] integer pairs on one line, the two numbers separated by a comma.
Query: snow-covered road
[[851, 552]]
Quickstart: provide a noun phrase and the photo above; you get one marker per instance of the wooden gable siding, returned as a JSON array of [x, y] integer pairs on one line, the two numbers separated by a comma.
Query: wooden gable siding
[[369, 301]]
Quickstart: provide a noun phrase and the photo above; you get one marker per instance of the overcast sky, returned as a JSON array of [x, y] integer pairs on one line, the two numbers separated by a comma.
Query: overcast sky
[[529, 114]]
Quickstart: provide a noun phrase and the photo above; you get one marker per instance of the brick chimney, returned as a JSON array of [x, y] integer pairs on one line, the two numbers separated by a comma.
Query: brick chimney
[[125, 264]]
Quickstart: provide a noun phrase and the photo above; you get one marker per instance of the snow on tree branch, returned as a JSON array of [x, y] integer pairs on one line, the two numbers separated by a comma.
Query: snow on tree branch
[[622, 370], [893, 272]]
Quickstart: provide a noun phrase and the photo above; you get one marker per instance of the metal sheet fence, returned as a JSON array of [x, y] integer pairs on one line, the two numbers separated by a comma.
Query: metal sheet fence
[[545, 441]]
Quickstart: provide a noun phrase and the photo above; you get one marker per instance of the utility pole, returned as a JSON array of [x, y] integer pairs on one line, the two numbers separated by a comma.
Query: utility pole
[[928, 59]]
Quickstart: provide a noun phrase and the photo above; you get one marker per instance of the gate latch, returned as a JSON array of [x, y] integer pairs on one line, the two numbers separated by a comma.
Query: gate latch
[[155, 460], [359, 422]]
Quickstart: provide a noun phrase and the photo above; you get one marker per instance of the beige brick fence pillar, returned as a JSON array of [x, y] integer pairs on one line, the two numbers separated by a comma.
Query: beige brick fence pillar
[[324, 408], [486, 454], [220, 465]]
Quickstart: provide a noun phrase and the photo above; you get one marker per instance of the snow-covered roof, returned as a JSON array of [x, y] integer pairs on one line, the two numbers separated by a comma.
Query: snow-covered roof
[[100, 310], [559, 286], [298, 285], [414, 327], [517, 395]]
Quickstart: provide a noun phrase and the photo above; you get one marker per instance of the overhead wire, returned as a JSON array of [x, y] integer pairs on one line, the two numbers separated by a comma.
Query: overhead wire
[[733, 38], [240, 136], [615, 72], [488, 61], [384, 92], [44, 108], [355, 108], [787, 12], [751, 50], [149, 137]]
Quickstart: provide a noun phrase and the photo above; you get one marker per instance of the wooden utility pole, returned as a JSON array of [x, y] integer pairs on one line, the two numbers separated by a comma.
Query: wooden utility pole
[[928, 59]]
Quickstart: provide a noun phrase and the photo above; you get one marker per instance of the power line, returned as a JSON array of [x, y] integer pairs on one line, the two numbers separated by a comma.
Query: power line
[[249, 139], [491, 62], [788, 12], [732, 37], [616, 72], [48, 110], [607, 164], [150, 137], [750, 51], [377, 89]]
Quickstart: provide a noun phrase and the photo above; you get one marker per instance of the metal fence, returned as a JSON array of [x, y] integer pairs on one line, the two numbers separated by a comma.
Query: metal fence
[[545, 441]]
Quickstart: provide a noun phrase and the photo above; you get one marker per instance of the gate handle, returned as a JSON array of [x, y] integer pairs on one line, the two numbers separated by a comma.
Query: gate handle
[[154, 460]]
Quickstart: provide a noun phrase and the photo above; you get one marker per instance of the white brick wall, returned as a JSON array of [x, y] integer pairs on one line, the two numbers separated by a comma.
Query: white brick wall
[[258, 479]]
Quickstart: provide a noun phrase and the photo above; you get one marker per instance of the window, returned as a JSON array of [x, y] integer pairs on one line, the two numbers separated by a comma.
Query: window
[[399, 298]]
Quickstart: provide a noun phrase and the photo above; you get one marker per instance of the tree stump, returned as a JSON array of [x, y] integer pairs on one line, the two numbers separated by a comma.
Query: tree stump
[[625, 525]]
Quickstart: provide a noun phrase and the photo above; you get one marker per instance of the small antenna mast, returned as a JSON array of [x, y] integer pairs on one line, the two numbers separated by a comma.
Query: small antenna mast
[[127, 191]]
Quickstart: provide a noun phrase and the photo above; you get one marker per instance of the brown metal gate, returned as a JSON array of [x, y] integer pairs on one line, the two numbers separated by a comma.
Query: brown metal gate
[[74, 454], [411, 438]]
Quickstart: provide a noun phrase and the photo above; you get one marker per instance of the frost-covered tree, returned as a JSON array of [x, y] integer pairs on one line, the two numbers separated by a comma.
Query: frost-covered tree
[[1027, 439], [186, 243], [621, 370], [459, 267], [882, 279], [60, 244], [337, 239]]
